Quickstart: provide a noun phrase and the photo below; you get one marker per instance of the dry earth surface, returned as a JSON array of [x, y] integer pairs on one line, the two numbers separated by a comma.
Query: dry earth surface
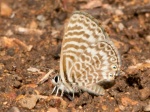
[[30, 38]]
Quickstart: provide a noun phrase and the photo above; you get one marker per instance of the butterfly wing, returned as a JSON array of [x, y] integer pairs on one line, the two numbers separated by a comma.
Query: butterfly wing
[[81, 31], [99, 63], [88, 57]]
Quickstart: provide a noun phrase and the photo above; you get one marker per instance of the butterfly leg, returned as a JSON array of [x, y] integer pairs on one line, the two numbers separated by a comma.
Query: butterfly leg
[[62, 93], [53, 89], [57, 90]]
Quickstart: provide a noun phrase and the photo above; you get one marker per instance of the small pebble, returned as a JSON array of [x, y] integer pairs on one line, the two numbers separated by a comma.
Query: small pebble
[[145, 93], [52, 110], [121, 107], [55, 102], [28, 101], [62, 16], [148, 38], [16, 84], [5, 10], [11, 52], [41, 18], [121, 26], [1, 66], [58, 102], [14, 109], [147, 108], [32, 69], [16, 77], [119, 12], [56, 23]]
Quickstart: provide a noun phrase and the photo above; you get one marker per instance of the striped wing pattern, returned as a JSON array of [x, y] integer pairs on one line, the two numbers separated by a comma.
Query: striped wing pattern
[[88, 57]]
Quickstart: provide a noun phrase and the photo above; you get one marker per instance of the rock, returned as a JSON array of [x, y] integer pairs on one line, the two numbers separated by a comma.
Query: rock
[[127, 101], [104, 107], [5, 10], [119, 12], [11, 52], [28, 101], [41, 18], [145, 93], [1, 66], [33, 25], [148, 38], [83, 99], [121, 107], [58, 102], [92, 4], [32, 69], [52, 110], [147, 108], [17, 81], [55, 102], [121, 26], [14, 109], [16, 84]]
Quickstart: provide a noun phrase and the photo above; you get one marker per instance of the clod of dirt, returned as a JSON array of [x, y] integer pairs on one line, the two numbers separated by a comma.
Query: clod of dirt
[[121, 107], [5, 10], [57, 102], [11, 52], [6, 42], [41, 18], [16, 84], [145, 93], [147, 108], [84, 99], [17, 80], [148, 38], [28, 101], [121, 26], [127, 101], [92, 4], [52, 110], [14, 109]]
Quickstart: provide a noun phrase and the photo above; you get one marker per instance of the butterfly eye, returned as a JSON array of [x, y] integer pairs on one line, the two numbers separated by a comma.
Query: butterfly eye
[[56, 79], [110, 74], [114, 67]]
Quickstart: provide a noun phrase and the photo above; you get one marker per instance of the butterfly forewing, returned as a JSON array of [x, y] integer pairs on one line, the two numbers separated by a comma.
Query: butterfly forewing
[[87, 55]]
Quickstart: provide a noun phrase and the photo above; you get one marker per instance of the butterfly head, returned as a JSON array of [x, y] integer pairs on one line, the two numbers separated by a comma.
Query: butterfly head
[[56, 80], [112, 72], [59, 85], [115, 68]]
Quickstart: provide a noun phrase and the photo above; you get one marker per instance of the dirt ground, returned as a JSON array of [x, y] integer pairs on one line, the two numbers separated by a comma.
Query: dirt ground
[[30, 37]]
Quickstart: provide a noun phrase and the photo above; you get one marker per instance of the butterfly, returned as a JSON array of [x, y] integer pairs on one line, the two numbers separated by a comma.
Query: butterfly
[[88, 58]]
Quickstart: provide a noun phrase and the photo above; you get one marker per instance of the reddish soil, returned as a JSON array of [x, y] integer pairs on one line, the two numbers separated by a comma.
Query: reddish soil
[[30, 37]]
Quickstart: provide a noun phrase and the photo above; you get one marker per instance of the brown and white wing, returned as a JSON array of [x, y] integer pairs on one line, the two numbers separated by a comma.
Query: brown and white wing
[[81, 33], [99, 63]]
